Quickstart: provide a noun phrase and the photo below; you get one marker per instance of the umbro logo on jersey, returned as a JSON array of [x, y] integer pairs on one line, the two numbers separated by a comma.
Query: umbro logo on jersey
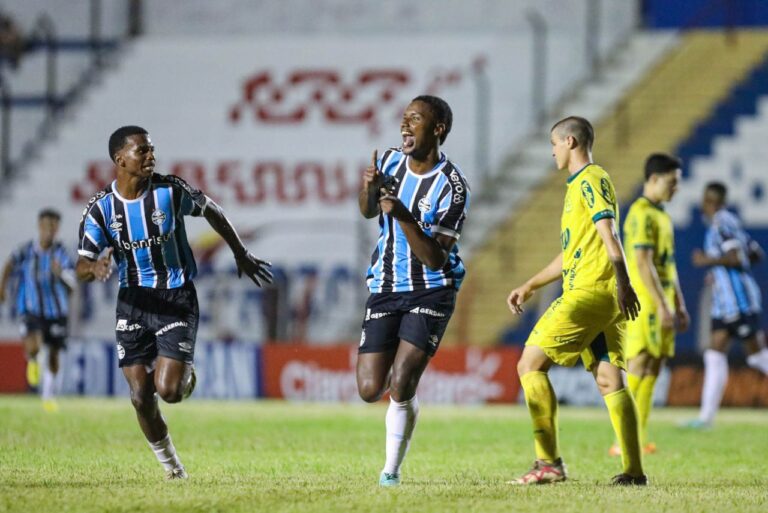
[[115, 224], [158, 217]]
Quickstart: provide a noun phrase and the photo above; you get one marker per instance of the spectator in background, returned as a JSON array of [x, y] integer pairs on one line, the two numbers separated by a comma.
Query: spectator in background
[[11, 41]]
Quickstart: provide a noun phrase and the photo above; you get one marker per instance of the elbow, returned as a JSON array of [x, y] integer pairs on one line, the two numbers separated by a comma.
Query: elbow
[[437, 263]]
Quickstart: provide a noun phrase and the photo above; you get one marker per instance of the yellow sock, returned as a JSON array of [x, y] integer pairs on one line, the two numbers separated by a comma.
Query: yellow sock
[[633, 382], [623, 413], [33, 373], [644, 400], [542, 405]]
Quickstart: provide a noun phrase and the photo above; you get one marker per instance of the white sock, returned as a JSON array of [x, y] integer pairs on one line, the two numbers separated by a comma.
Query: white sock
[[166, 453], [48, 388], [759, 360], [400, 421], [715, 378]]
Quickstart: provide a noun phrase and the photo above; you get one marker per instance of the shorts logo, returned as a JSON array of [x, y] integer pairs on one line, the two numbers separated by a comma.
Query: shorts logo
[[158, 217], [589, 195], [362, 339], [120, 352], [185, 347], [433, 340], [425, 205], [122, 325], [169, 327], [427, 311], [376, 315], [743, 330]]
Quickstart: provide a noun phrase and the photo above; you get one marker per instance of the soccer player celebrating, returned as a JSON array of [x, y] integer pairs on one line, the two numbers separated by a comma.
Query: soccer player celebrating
[[588, 320], [139, 221], [729, 253], [421, 200], [650, 241], [45, 279]]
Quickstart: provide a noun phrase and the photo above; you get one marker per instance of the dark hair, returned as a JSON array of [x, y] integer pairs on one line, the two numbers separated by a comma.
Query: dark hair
[[118, 137], [579, 128], [661, 164], [441, 111], [49, 212], [718, 188]]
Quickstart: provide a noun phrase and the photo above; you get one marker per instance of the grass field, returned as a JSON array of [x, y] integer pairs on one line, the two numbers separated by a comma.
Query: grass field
[[272, 456]]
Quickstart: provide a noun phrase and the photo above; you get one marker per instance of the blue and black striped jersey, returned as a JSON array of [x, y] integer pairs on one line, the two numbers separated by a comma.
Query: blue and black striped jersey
[[147, 233], [39, 291], [439, 201], [735, 291]]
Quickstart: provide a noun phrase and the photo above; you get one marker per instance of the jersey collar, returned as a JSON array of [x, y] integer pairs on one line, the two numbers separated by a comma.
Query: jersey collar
[[440, 164], [141, 197], [658, 206], [577, 173]]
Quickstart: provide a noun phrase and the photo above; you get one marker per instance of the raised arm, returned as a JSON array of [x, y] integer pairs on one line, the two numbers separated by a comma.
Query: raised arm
[[628, 302], [552, 272], [368, 199], [256, 269]]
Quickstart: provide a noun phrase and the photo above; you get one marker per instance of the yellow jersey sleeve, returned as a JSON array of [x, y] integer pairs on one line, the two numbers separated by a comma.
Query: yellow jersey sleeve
[[640, 229], [598, 196]]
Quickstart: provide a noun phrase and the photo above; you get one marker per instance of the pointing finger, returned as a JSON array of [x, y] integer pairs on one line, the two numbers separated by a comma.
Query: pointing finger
[[375, 159]]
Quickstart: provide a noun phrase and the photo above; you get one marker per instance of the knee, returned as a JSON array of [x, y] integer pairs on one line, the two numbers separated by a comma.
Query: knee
[[369, 391], [525, 366], [143, 401], [170, 393], [402, 388], [608, 384]]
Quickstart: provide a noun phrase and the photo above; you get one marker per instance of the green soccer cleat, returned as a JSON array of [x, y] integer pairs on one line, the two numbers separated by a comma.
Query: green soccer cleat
[[389, 480], [627, 480]]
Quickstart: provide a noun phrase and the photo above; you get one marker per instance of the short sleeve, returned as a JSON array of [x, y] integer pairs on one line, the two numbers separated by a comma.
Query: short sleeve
[[92, 237], [193, 201], [727, 230], [452, 207], [643, 230], [64, 259], [598, 197]]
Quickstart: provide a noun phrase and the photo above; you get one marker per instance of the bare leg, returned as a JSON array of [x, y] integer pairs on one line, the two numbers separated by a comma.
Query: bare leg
[[144, 402], [171, 378], [373, 374]]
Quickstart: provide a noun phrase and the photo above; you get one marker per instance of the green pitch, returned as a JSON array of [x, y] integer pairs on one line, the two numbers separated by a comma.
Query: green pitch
[[269, 456]]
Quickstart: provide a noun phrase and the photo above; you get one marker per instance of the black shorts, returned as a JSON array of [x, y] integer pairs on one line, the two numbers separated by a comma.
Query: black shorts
[[156, 322], [743, 328], [54, 330], [418, 317]]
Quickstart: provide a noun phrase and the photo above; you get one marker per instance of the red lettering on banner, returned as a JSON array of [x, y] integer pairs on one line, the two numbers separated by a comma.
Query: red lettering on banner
[[291, 100], [456, 375], [249, 184]]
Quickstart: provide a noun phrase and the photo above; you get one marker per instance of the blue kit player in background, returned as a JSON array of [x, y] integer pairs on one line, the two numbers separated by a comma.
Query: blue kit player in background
[[729, 252], [421, 199], [139, 221], [45, 278]]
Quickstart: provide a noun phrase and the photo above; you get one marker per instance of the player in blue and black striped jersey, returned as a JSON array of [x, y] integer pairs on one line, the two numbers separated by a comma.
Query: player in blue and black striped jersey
[[44, 278], [139, 221], [729, 253], [421, 200]]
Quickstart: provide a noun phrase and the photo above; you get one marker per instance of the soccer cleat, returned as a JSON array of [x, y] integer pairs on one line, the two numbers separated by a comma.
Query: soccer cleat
[[33, 373], [190, 385], [176, 473], [388, 480], [50, 406], [697, 424], [627, 480], [542, 473], [615, 450]]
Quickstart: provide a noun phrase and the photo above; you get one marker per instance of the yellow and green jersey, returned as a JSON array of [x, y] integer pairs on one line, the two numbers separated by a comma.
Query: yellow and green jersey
[[590, 197], [649, 226]]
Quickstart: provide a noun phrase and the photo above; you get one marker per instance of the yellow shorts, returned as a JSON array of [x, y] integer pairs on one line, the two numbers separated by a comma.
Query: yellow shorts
[[584, 324], [645, 334]]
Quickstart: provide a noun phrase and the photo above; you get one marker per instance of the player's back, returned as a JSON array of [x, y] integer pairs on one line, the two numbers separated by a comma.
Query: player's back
[[590, 197], [649, 226]]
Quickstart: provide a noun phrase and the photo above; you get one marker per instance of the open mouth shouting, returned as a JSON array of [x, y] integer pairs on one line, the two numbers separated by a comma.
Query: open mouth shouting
[[409, 141]]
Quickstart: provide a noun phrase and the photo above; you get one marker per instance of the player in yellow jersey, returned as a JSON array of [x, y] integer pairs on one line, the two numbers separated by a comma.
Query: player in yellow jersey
[[650, 241], [588, 320]]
